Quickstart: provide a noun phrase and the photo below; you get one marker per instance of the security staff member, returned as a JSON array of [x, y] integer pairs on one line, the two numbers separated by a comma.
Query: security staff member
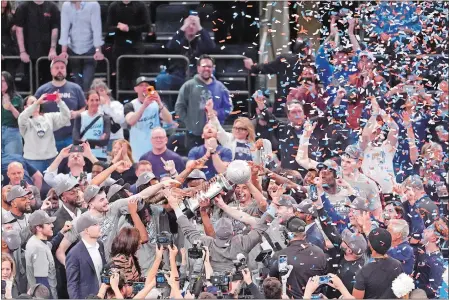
[[307, 260]]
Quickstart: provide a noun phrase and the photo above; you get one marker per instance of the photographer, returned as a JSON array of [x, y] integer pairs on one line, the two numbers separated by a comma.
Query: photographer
[[307, 260], [334, 281], [225, 247]]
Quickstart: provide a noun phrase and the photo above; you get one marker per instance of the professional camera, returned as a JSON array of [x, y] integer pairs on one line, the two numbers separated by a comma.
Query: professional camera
[[221, 280], [165, 239], [196, 251], [239, 264]]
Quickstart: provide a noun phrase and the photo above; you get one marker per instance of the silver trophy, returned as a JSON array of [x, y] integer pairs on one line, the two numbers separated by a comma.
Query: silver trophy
[[238, 172]]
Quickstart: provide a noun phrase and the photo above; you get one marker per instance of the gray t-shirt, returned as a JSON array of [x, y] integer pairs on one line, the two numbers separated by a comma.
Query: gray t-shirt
[[366, 188], [108, 224], [40, 263]]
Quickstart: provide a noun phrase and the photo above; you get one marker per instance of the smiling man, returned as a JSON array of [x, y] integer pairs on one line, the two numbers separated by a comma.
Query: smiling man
[[200, 96]]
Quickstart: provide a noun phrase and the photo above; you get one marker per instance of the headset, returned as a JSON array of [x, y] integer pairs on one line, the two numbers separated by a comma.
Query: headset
[[295, 224]]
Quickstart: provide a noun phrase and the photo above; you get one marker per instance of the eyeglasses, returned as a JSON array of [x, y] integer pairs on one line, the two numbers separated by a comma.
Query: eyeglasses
[[240, 128]]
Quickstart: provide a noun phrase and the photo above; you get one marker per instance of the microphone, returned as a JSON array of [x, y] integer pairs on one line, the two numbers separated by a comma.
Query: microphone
[[241, 257]]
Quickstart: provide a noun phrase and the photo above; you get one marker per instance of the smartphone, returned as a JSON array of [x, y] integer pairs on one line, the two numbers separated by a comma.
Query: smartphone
[[105, 279], [161, 282], [324, 279], [259, 93], [138, 286], [51, 97], [23, 183], [317, 296], [313, 193], [77, 149], [282, 263], [193, 13]]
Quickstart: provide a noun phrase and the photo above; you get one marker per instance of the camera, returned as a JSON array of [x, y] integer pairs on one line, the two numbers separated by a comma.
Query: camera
[[220, 280], [76, 149], [239, 264], [23, 184], [196, 251], [161, 281], [264, 256], [165, 239]]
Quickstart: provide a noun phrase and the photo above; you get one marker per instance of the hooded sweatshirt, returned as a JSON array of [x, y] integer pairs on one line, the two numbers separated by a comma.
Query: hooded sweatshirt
[[192, 98]]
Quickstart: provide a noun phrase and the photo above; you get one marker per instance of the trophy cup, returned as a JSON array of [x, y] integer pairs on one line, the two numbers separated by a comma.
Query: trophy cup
[[238, 172]]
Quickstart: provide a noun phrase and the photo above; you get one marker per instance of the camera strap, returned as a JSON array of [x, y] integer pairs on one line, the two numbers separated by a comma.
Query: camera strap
[[276, 247], [90, 125]]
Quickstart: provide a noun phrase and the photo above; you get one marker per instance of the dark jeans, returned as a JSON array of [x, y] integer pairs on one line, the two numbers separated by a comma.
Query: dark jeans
[[83, 69], [130, 68]]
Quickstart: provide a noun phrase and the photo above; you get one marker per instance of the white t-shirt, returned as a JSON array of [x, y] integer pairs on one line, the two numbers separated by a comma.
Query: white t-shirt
[[378, 165]]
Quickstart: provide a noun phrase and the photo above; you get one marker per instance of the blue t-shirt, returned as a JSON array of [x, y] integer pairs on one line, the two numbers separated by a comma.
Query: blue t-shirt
[[158, 165], [72, 95], [405, 254], [200, 151], [243, 152]]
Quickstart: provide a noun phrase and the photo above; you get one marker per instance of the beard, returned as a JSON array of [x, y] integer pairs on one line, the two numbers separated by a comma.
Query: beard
[[59, 77]]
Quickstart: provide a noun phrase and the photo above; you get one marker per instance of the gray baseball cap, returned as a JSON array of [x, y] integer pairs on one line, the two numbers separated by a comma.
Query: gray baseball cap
[[359, 203], [85, 221], [287, 200], [114, 189], [307, 207], [223, 232], [40, 217], [414, 182], [12, 239], [66, 185], [355, 241], [197, 174], [16, 192], [144, 178], [91, 191], [354, 151]]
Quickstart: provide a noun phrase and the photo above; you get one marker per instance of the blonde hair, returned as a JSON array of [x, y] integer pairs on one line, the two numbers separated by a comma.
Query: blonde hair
[[7, 257], [121, 142], [249, 127]]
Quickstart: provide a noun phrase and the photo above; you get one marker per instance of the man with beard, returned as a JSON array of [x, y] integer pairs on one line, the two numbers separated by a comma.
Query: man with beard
[[108, 215], [71, 94], [217, 156], [199, 97], [19, 199], [68, 191]]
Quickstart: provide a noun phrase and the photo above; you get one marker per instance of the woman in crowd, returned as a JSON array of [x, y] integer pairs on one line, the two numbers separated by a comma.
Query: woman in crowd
[[12, 105], [8, 275], [94, 127], [123, 253], [121, 150], [242, 141], [112, 108], [37, 130]]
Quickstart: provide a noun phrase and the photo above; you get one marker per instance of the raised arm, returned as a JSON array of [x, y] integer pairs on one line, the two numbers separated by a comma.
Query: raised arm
[[258, 196], [407, 122], [302, 157], [235, 213]]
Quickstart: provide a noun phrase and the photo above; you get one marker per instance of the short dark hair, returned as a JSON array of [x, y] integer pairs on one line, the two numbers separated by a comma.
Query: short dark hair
[[101, 164], [206, 295], [272, 288], [204, 56], [33, 229]]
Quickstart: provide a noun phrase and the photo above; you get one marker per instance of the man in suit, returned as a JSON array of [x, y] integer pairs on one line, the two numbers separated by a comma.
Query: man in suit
[[86, 259], [68, 192]]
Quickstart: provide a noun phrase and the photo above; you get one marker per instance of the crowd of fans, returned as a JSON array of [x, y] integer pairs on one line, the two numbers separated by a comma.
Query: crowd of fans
[[346, 197]]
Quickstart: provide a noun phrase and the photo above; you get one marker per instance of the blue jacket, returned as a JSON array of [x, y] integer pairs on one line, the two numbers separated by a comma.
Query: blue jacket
[[82, 279], [405, 254]]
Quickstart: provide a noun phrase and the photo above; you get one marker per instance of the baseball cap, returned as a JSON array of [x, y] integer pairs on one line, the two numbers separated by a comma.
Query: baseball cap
[[114, 189], [144, 178], [7, 218], [359, 203], [287, 200], [367, 54], [295, 225], [329, 164], [307, 207], [16, 192], [353, 151], [58, 59], [414, 182], [380, 240], [197, 174], [66, 185], [143, 79], [91, 191], [85, 221], [12, 239], [355, 241], [40, 217], [223, 232]]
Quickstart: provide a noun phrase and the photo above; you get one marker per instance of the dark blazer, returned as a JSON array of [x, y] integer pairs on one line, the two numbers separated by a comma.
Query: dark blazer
[[61, 217], [80, 270]]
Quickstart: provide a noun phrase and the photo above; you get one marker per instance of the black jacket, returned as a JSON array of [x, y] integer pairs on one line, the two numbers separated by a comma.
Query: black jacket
[[307, 261]]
